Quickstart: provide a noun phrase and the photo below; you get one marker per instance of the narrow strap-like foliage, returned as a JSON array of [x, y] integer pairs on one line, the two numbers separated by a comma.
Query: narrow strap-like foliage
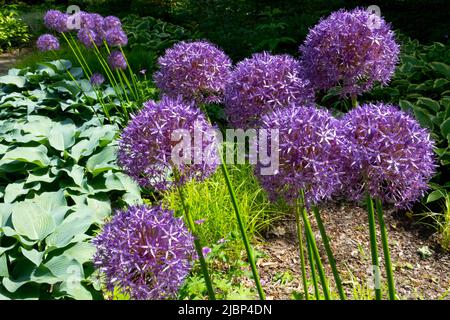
[[300, 249]]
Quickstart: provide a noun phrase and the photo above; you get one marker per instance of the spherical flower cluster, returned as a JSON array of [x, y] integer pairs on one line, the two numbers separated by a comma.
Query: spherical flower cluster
[[110, 22], [89, 37], [147, 143], [116, 37], [92, 21], [198, 71], [145, 253], [97, 79], [52, 19], [262, 84], [47, 42], [310, 145], [116, 60], [352, 49], [392, 156]]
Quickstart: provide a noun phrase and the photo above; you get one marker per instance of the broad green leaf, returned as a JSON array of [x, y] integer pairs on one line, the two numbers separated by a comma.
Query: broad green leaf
[[31, 220], [81, 251], [75, 289], [33, 255], [76, 172], [430, 103], [423, 117], [14, 190], [62, 135], [3, 266], [445, 127], [36, 155], [406, 105], [441, 68], [100, 208], [65, 268], [83, 148], [18, 81], [439, 83], [76, 223], [42, 175], [102, 161]]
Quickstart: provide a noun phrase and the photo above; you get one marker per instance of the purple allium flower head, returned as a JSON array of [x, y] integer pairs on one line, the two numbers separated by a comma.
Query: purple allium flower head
[[147, 143], [262, 84], [310, 144], [88, 37], [116, 37], [391, 155], [116, 60], [350, 49], [110, 22], [196, 70], [92, 21], [145, 252], [62, 23], [97, 79], [51, 19], [47, 42]]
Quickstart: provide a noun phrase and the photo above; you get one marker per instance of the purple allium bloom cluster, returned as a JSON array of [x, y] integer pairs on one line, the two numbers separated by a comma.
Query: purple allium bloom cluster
[[52, 19], [92, 21], [310, 144], [116, 37], [89, 37], [146, 144], [110, 22], [145, 252], [392, 156], [198, 71], [97, 79], [350, 49], [262, 84], [47, 42], [116, 60]]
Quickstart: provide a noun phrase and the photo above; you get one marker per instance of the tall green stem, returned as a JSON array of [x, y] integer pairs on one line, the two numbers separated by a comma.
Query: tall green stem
[[354, 101], [248, 248], [329, 252], [312, 266], [300, 249], [373, 247], [387, 257], [197, 244], [315, 251]]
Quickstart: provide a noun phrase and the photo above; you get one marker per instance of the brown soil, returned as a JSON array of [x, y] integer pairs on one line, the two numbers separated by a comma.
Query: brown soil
[[416, 277]]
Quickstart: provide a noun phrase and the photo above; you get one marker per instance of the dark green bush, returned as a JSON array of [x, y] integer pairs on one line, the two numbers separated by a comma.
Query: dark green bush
[[14, 32]]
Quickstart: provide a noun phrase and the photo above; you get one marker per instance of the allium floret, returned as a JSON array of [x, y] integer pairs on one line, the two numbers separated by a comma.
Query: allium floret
[[260, 85], [144, 252], [116, 60]]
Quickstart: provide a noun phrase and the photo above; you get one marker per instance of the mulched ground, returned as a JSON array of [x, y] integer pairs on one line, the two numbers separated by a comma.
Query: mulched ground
[[8, 59], [416, 276]]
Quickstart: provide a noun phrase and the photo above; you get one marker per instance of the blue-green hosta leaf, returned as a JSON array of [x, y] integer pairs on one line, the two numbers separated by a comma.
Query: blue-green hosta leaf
[[10, 232], [75, 290], [66, 86], [36, 155], [5, 249], [431, 104], [102, 161], [76, 223], [83, 148], [39, 126], [3, 266], [5, 212], [41, 175], [14, 190], [33, 255], [81, 251], [76, 172], [18, 81], [101, 207], [62, 135], [31, 220], [65, 268]]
